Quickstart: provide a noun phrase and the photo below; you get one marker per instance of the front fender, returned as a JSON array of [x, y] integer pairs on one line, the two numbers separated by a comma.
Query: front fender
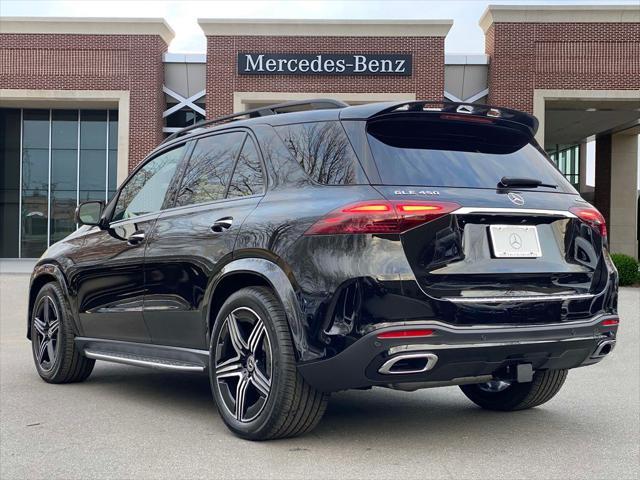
[[283, 287], [45, 273]]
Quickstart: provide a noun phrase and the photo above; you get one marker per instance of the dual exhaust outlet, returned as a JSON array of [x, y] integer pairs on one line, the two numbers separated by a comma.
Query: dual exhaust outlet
[[603, 349], [419, 362], [408, 363]]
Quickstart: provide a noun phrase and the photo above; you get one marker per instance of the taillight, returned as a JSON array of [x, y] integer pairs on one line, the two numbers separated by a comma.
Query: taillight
[[406, 333], [380, 217], [591, 216], [610, 322]]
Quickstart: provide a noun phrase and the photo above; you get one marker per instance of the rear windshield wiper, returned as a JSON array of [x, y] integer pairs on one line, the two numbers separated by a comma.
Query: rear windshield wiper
[[507, 182]]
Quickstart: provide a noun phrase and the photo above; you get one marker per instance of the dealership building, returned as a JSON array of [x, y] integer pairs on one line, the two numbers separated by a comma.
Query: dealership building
[[83, 100]]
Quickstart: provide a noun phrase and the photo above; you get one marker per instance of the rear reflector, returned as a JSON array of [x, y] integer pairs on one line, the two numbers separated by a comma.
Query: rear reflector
[[380, 217], [406, 333], [591, 216], [610, 322]]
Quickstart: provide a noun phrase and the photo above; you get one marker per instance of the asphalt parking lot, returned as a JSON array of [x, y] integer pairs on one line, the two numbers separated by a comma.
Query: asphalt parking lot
[[128, 422]]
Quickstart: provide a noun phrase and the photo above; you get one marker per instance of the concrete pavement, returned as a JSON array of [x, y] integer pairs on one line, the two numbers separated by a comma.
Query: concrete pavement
[[128, 422]]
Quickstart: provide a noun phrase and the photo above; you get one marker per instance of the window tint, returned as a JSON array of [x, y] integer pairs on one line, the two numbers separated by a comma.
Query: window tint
[[209, 169], [442, 154], [323, 151], [247, 177], [146, 190]]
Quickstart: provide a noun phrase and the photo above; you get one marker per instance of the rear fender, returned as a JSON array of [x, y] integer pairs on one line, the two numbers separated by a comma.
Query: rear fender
[[283, 287]]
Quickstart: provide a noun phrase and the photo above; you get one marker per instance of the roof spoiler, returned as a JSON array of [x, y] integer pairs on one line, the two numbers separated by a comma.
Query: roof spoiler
[[287, 107], [457, 111]]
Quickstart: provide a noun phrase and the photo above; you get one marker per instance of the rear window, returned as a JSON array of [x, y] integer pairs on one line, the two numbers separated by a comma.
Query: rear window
[[455, 154]]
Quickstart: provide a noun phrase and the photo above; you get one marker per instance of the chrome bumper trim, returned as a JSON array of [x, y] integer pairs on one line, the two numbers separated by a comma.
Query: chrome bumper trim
[[514, 211], [520, 298]]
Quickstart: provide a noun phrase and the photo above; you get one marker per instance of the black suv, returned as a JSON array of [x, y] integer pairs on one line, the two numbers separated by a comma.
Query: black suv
[[300, 249]]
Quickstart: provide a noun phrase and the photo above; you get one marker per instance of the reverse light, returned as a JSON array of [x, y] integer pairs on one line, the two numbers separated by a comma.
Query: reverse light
[[406, 333], [380, 217], [591, 216], [610, 322]]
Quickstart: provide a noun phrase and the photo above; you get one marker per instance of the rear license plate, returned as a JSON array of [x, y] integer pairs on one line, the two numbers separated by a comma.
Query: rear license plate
[[515, 241]]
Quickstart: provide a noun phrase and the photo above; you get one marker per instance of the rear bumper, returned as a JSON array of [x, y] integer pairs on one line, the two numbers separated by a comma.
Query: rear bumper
[[453, 354]]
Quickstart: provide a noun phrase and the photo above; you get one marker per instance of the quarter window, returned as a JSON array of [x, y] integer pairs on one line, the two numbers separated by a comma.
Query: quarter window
[[146, 190], [207, 175], [247, 177], [323, 150]]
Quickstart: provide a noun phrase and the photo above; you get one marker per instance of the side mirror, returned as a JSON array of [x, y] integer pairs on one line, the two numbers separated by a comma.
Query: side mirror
[[89, 213]]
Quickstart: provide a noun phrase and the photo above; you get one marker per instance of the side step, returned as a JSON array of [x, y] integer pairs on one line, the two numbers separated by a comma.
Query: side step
[[148, 355], [140, 361]]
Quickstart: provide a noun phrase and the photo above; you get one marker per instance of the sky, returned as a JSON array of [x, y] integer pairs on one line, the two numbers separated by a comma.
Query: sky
[[464, 37]]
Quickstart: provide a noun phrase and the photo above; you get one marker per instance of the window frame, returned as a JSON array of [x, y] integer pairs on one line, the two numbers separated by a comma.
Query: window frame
[[185, 164], [110, 210]]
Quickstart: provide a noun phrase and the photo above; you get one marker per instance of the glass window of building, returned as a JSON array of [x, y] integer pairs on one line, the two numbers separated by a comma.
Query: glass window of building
[[52, 160]]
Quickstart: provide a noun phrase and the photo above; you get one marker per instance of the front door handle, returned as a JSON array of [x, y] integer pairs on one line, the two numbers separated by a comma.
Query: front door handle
[[222, 224], [136, 238]]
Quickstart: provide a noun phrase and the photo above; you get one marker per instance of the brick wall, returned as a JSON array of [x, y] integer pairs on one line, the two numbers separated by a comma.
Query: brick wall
[[585, 56], [93, 62], [427, 80]]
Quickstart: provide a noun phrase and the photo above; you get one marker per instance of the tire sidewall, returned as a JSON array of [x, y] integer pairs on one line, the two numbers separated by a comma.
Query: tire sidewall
[[258, 427], [52, 292]]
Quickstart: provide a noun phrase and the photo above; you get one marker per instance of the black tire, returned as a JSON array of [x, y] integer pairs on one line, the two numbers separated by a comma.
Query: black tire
[[518, 396], [68, 364], [290, 406]]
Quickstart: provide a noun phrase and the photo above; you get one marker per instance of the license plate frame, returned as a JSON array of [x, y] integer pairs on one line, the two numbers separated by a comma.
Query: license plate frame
[[515, 241]]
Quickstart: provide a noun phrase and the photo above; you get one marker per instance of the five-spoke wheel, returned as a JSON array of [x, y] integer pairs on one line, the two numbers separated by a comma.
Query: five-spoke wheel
[[57, 358], [244, 364], [252, 366], [46, 323]]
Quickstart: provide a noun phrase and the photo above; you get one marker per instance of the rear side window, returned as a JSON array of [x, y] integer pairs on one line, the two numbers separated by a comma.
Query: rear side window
[[323, 151], [247, 177], [451, 154], [209, 169]]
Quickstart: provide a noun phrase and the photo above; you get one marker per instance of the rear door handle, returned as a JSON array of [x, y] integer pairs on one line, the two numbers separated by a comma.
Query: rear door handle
[[136, 238], [222, 224]]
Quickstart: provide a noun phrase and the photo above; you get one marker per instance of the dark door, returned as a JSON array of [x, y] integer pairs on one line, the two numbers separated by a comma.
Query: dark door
[[109, 275], [191, 241]]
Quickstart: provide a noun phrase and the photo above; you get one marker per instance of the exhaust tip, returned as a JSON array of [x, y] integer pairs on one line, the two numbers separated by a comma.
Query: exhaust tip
[[408, 363], [604, 348]]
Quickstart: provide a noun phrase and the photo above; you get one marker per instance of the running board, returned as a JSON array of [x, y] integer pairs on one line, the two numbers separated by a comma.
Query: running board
[[148, 355], [140, 361]]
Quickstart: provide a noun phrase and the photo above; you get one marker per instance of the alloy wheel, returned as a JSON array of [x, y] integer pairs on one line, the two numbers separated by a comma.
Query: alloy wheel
[[46, 323], [243, 364]]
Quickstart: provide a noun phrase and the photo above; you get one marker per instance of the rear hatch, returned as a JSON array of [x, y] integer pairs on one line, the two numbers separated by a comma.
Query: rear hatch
[[514, 227]]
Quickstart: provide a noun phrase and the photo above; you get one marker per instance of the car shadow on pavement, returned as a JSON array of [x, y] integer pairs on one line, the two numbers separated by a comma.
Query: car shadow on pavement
[[426, 414]]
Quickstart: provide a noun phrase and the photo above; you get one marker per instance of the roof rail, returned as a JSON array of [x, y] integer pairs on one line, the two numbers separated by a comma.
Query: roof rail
[[475, 109], [287, 107]]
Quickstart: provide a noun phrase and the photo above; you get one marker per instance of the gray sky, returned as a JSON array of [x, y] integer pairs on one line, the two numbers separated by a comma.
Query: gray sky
[[464, 37]]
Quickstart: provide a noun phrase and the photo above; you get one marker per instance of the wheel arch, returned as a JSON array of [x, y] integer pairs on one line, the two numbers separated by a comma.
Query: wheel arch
[[246, 272], [42, 274]]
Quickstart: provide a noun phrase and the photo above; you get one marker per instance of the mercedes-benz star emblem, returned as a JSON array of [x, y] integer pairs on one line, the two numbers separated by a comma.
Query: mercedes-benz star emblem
[[516, 198], [515, 241]]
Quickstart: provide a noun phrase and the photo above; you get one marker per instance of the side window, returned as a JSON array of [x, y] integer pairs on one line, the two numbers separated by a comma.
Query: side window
[[323, 150], [146, 190], [207, 175], [247, 177]]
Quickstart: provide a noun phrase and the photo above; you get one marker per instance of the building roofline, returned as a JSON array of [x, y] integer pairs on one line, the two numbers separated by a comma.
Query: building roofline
[[88, 26], [324, 28], [558, 14]]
